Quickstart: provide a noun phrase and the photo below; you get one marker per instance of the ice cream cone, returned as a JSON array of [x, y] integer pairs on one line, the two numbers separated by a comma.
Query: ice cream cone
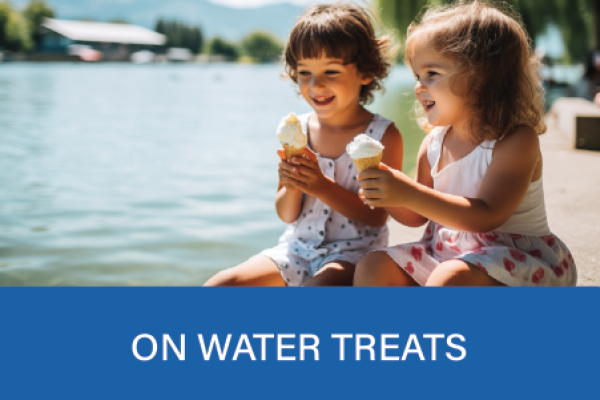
[[365, 152], [293, 151], [292, 137], [363, 164]]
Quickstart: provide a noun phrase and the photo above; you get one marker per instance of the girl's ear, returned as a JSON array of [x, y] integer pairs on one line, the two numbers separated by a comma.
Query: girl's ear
[[366, 80]]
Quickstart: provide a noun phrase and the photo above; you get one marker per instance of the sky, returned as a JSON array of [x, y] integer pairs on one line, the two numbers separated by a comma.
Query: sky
[[551, 41], [240, 3], [258, 3]]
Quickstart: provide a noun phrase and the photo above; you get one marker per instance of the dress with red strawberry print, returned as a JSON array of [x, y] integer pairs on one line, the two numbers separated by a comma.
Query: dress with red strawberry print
[[521, 252]]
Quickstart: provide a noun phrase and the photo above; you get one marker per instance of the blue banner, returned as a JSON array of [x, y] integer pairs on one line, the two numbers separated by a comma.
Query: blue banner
[[363, 343]]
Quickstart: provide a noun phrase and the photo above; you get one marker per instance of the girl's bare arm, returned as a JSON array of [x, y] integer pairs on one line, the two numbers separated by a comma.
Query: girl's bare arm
[[288, 201], [502, 189], [423, 176], [288, 204]]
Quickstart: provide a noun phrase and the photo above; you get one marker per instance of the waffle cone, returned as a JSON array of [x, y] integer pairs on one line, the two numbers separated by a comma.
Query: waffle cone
[[291, 151], [363, 164]]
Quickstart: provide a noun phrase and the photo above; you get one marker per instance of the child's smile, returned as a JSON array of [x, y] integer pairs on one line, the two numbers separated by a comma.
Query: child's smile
[[322, 100], [331, 87], [433, 89], [429, 105]]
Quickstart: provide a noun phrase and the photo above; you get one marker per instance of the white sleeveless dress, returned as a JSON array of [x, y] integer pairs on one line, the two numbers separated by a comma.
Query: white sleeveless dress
[[321, 234], [521, 252]]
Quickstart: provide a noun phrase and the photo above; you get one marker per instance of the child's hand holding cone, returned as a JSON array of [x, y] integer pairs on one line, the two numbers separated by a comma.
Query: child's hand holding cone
[[303, 172], [366, 153], [384, 187]]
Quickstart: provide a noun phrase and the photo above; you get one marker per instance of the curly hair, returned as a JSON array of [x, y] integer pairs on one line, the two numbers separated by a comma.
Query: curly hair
[[493, 52], [345, 32]]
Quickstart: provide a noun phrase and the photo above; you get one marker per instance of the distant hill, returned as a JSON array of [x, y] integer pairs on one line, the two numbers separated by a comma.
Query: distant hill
[[214, 19]]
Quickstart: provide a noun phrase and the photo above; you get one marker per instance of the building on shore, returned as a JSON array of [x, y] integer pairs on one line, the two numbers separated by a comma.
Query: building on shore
[[94, 41]]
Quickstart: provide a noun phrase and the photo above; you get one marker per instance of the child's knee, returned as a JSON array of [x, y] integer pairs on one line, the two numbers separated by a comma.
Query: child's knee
[[362, 271], [372, 269], [452, 273], [227, 277], [337, 273]]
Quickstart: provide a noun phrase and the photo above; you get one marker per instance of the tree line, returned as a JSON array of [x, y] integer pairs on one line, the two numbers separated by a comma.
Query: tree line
[[19, 29], [19, 32], [573, 18], [261, 46], [181, 35]]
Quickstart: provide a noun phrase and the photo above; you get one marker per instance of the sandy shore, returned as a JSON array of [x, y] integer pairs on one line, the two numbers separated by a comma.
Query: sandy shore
[[572, 194]]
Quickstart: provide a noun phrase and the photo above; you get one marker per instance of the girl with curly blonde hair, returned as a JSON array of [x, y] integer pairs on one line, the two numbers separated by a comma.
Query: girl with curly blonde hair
[[479, 180]]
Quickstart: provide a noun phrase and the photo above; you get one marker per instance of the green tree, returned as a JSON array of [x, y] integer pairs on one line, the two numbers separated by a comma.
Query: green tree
[[219, 46], [181, 35], [14, 30], [399, 14], [574, 19], [262, 46], [34, 14]]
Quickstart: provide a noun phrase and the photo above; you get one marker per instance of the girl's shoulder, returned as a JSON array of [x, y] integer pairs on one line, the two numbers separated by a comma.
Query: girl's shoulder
[[521, 135], [523, 141]]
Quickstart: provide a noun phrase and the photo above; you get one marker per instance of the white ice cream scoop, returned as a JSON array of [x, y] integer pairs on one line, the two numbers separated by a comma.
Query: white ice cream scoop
[[364, 147], [366, 153], [290, 132]]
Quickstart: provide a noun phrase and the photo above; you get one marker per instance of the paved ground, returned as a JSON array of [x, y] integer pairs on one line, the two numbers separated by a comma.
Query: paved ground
[[572, 193]]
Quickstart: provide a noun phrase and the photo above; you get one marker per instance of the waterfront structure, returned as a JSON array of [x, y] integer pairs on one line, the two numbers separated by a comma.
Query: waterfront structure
[[110, 42]]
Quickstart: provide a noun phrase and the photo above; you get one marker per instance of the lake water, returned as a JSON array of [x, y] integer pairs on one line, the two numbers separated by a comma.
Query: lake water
[[118, 174]]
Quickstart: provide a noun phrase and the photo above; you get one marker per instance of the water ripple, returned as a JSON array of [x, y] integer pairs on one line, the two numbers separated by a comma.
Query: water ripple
[[119, 174]]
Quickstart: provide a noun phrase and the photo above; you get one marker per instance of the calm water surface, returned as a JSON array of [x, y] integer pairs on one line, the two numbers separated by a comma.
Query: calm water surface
[[117, 174]]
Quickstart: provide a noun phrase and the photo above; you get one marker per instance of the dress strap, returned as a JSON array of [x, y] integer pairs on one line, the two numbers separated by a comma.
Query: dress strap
[[488, 147], [377, 127], [434, 147], [375, 130]]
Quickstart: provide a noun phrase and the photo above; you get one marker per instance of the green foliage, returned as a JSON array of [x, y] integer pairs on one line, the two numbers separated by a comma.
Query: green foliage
[[219, 46], [34, 14], [262, 46], [14, 29], [572, 17], [181, 35], [400, 13]]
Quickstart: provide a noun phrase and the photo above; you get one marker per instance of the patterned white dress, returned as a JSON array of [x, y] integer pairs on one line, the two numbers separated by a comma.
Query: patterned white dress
[[321, 234], [521, 252]]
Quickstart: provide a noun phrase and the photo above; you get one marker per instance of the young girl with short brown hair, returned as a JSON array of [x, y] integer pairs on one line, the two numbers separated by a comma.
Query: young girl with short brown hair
[[337, 61]]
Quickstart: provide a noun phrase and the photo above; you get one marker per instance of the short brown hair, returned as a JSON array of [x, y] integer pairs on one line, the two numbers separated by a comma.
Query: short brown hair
[[493, 51], [342, 31]]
